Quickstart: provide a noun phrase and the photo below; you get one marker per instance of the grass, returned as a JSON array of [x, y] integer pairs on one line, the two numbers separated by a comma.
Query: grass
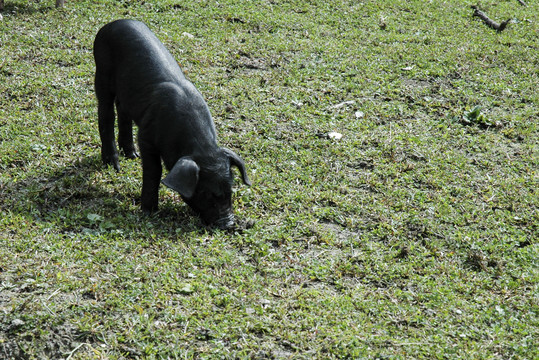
[[413, 236]]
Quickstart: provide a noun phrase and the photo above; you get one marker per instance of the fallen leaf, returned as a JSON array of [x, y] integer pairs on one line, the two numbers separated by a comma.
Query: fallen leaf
[[335, 135]]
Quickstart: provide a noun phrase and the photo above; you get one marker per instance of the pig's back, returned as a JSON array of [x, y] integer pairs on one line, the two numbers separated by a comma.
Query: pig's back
[[129, 50]]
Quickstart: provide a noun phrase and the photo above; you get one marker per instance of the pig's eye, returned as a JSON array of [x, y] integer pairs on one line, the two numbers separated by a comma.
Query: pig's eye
[[218, 196], [221, 196]]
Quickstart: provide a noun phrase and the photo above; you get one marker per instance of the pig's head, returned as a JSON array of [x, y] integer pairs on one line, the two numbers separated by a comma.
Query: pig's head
[[205, 184]]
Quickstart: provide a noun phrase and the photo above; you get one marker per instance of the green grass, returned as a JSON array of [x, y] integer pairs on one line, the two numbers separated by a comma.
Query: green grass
[[412, 237]]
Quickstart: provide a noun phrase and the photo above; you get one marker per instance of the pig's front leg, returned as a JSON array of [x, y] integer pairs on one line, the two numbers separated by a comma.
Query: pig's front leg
[[151, 178]]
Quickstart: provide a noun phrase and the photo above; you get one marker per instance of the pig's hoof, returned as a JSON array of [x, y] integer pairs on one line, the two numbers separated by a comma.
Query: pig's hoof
[[112, 161], [130, 153], [115, 165], [148, 210]]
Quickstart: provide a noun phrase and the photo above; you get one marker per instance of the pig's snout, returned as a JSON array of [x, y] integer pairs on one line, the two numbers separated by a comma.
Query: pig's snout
[[225, 222]]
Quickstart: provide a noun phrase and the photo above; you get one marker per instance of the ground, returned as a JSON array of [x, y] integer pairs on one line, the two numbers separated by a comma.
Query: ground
[[413, 234]]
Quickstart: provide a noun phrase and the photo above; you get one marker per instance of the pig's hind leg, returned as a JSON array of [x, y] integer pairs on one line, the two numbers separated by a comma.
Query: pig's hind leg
[[125, 133], [105, 115]]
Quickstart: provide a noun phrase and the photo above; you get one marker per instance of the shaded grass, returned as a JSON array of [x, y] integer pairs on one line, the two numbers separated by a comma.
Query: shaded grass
[[414, 236]]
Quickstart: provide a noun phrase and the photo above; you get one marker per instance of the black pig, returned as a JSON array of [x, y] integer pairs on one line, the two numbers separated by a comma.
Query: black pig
[[136, 72]]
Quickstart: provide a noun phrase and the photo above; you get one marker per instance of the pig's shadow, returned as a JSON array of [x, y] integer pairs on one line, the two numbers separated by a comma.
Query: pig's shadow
[[86, 187]]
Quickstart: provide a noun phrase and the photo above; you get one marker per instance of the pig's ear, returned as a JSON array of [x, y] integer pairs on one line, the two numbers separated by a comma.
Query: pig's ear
[[237, 161], [183, 177]]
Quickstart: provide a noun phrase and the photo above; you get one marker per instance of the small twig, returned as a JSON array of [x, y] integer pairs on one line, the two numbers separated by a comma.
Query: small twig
[[320, 253], [75, 350], [48, 308], [491, 23], [522, 3], [54, 293]]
